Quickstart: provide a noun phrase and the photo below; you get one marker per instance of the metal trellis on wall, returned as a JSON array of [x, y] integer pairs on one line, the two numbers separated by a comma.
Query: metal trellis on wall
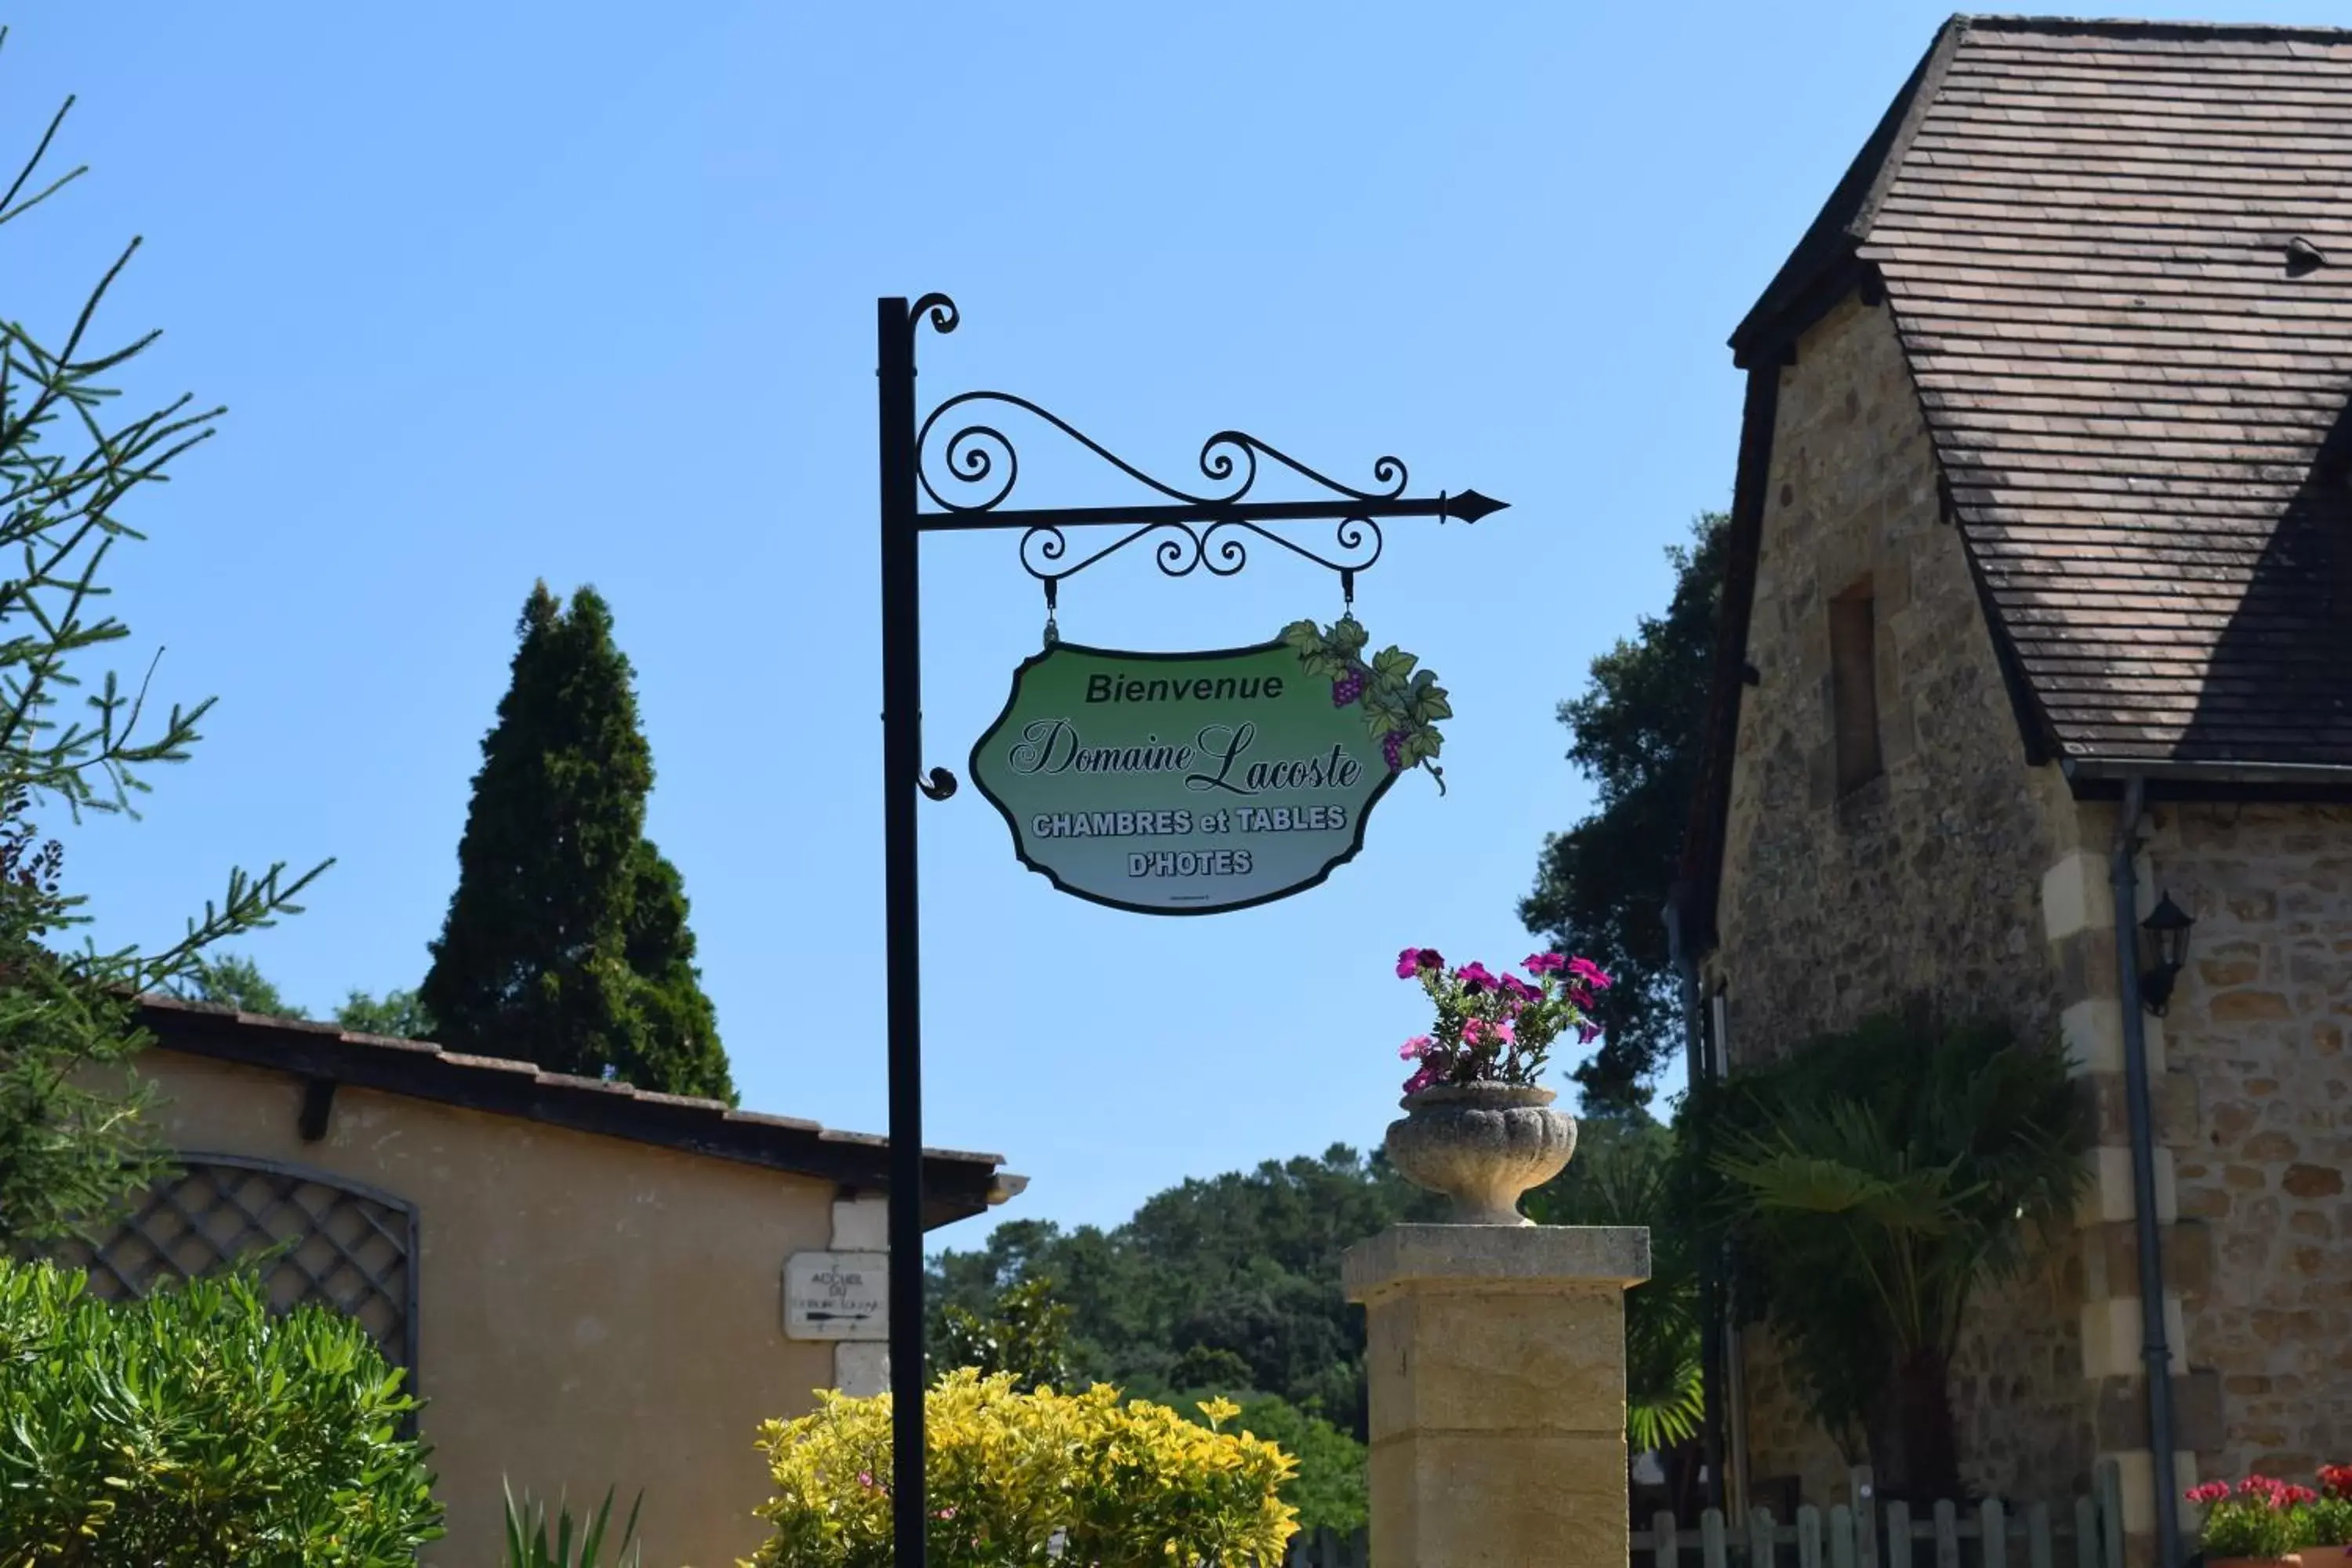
[[312, 1237]]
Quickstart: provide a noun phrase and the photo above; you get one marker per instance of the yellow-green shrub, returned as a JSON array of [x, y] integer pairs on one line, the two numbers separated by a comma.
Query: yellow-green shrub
[[1008, 1472]]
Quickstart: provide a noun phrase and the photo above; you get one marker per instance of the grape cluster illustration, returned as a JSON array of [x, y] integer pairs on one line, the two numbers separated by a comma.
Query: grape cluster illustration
[[1402, 704]]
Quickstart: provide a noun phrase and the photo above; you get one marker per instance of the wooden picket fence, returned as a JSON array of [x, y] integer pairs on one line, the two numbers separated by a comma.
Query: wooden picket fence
[[1863, 1534]]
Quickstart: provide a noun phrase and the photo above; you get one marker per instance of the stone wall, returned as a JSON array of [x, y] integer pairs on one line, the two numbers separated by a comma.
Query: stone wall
[[1926, 880], [2258, 1026], [1963, 874]]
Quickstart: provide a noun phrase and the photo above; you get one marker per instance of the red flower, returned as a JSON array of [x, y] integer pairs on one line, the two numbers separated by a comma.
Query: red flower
[[2275, 1494]]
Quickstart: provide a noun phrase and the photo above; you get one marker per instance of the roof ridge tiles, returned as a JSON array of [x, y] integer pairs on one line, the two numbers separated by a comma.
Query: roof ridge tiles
[[2134, 27]]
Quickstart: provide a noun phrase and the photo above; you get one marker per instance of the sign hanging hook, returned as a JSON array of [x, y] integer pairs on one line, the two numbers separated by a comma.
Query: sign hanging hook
[[1052, 632], [1347, 593]]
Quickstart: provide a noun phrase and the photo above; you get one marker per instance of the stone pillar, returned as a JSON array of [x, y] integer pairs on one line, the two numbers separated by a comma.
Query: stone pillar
[[2079, 918], [862, 1223], [1496, 1365]]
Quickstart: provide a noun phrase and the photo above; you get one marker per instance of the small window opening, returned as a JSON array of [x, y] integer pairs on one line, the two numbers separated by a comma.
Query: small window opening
[[1854, 685]]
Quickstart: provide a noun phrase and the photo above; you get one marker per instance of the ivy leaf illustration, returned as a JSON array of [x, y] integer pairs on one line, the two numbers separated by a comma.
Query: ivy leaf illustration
[[1304, 635], [1350, 636], [1432, 706], [1394, 663]]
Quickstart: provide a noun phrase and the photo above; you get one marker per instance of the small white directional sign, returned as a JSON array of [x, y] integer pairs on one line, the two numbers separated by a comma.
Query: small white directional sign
[[837, 1296]]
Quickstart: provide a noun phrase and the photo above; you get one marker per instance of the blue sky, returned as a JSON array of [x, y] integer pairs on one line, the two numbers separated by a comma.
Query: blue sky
[[587, 293]]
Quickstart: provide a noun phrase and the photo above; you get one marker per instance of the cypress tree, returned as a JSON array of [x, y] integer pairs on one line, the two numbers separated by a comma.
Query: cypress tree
[[566, 942]]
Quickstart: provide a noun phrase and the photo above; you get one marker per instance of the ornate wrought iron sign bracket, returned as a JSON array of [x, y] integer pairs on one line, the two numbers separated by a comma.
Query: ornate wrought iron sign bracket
[[960, 458], [970, 476]]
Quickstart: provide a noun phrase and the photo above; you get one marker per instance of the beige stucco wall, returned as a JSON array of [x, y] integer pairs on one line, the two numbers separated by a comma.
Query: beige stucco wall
[[1925, 881], [2258, 1025], [592, 1311]]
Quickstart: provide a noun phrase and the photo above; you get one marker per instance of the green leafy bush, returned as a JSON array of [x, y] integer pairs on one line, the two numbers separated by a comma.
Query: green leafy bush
[[2330, 1521], [195, 1428], [1330, 1488], [1021, 1478], [1026, 1335]]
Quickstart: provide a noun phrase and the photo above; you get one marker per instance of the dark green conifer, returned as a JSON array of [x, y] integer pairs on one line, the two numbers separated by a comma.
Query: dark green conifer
[[566, 942]]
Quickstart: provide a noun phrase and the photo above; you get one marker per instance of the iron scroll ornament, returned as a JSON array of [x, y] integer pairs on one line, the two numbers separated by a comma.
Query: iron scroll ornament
[[965, 481], [971, 474]]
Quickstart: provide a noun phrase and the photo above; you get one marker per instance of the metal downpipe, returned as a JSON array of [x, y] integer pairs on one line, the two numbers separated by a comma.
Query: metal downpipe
[[2154, 1353]]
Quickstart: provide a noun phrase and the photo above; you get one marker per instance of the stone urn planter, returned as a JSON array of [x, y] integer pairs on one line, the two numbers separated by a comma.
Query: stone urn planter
[[1482, 1144]]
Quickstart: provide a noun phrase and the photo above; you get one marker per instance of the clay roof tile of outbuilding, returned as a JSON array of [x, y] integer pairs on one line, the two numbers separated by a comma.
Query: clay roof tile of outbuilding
[[957, 1183]]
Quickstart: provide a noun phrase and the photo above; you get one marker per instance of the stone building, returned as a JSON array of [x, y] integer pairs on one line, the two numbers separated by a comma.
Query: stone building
[[2041, 545], [585, 1282]]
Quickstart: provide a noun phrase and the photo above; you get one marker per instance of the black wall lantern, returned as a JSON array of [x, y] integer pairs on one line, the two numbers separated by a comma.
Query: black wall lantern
[[2164, 949]]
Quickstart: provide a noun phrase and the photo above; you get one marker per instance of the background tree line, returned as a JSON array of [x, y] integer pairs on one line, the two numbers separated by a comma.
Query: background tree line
[[1229, 1286]]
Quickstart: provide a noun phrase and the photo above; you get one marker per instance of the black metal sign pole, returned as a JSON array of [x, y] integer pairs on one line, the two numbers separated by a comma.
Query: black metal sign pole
[[902, 761], [1189, 531]]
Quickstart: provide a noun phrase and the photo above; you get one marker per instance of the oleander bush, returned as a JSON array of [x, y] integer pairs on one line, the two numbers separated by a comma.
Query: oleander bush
[[196, 1427], [1018, 1478]]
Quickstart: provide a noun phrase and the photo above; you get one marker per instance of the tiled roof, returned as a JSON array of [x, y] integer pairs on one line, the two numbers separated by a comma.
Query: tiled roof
[[2118, 255], [2119, 258], [956, 1184]]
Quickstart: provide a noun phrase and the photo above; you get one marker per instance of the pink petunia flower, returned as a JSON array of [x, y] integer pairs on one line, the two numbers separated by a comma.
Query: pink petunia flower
[[1414, 962], [1544, 963], [1474, 977], [1589, 973], [1414, 1049]]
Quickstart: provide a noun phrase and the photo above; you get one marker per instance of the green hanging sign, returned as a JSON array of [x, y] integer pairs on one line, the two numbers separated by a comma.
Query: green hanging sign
[[1185, 784]]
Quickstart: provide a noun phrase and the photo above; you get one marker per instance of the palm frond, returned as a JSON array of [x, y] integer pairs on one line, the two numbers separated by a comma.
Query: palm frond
[[1867, 1183], [1665, 1419]]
